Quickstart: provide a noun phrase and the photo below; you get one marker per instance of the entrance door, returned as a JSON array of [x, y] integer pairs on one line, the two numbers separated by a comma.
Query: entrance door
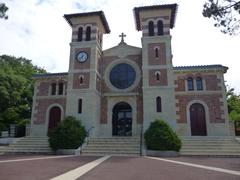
[[54, 118], [122, 120], [198, 120]]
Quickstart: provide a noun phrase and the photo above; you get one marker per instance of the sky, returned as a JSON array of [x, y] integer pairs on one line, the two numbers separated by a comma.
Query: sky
[[37, 30]]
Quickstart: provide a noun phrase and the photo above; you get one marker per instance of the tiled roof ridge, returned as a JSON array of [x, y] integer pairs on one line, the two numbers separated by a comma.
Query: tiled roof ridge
[[50, 74], [98, 13]]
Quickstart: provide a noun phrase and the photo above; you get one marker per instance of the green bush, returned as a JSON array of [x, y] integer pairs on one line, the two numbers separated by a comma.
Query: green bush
[[69, 134], [160, 136]]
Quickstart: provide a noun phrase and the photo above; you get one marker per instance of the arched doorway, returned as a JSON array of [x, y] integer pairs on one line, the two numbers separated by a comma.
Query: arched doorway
[[122, 120], [198, 120], [54, 118]]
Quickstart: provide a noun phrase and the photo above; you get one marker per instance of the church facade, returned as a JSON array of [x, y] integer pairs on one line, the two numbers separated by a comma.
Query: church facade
[[121, 90]]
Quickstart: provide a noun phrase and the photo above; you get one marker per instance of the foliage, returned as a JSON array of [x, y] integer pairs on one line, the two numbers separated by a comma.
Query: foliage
[[69, 134], [226, 14], [3, 10], [16, 89], [160, 136], [233, 101]]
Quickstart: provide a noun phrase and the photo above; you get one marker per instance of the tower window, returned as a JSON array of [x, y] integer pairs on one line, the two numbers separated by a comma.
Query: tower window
[[159, 104], [160, 28], [53, 88], [80, 106], [88, 33], [190, 84], [199, 83], [80, 34], [157, 76], [81, 79], [150, 28], [156, 52], [60, 88]]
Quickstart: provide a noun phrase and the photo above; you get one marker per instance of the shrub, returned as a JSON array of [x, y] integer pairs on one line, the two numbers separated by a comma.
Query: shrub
[[160, 136], [69, 134]]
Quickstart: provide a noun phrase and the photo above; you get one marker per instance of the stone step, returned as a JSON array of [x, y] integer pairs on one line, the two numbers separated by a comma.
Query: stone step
[[214, 146], [111, 141], [114, 145], [111, 149], [29, 145]]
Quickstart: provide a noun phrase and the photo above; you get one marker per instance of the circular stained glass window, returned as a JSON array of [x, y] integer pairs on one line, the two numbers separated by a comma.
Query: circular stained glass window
[[122, 76]]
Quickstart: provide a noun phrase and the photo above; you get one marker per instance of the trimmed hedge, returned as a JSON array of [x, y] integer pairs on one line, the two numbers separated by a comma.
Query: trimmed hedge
[[69, 134], [160, 136]]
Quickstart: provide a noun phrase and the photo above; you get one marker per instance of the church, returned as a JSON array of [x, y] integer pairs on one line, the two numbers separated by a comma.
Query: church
[[121, 90]]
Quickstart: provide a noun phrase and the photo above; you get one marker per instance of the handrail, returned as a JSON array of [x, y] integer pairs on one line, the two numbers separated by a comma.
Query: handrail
[[141, 140], [78, 151], [88, 134]]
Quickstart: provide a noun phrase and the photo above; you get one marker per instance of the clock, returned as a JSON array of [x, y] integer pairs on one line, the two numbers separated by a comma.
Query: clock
[[82, 56]]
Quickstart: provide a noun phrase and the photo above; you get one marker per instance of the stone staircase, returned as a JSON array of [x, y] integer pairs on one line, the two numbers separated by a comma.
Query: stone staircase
[[29, 144], [122, 146], [210, 146]]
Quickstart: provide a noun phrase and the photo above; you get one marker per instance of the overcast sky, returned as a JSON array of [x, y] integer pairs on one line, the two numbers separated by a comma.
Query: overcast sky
[[37, 30]]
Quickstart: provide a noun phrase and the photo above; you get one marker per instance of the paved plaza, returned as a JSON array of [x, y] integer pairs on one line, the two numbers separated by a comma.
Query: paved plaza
[[41, 167]]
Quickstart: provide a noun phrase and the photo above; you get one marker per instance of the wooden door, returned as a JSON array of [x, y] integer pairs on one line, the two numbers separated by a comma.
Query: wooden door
[[198, 120], [54, 118]]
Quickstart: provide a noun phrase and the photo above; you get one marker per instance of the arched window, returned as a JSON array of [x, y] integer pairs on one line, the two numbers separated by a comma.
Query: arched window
[[157, 76], [81, 79], [156, 52], [150, 28], [60, 88], [53, 88], [159, 104], [190, 84], [80, 106], [160, 28], [80, 34], [199, 83], [88, 33]]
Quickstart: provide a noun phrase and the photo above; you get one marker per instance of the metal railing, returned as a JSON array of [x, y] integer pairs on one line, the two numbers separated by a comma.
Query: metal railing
[[141, 140], [88, 134], [78, 151]]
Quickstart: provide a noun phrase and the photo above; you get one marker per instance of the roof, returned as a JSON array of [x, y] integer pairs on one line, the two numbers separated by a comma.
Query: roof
[[95, 13], [50, 74], [200, 67], [137, 10]]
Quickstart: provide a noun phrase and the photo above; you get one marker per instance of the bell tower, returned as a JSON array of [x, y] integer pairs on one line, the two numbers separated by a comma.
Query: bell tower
[[155, 23], [83, 89]]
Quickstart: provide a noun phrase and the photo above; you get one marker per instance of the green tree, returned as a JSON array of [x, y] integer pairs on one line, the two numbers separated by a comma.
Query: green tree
[[233, 101], [69, 134], [226, 14], [3, 10], [16, 89]]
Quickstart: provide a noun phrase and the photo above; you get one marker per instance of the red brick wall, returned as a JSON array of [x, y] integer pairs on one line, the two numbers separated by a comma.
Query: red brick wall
[[139, 110], [212, 101], [104, 106], [180, 83], [42, 106], [161, 59], [76, 80], [43, 88], [212, 82], [86, 64], [162, 80]]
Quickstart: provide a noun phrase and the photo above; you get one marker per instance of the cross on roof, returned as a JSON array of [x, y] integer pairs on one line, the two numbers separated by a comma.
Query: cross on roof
[[122, 36]]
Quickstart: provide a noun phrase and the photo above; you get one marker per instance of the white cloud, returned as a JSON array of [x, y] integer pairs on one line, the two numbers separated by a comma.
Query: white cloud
[[37, 30]]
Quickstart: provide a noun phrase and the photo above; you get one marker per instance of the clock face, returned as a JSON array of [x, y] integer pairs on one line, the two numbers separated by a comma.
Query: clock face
[[82, 56]]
